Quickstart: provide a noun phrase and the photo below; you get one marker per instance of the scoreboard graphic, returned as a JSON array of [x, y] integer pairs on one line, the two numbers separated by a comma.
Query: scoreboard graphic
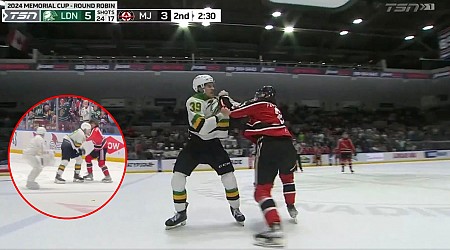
[[96, 11]]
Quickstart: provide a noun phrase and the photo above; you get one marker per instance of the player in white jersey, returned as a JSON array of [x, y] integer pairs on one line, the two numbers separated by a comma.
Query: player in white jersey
[[71, 149], [33, 156], [206, 126]]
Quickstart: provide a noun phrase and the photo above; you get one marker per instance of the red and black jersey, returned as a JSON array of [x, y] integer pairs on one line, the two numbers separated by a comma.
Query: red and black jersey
[[264, 119], [97, 138], [345, 145]]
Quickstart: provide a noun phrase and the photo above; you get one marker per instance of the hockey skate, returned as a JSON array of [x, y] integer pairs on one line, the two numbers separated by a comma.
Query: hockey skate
[[33, 185], [178, 220], [238, 216], [88, 177], [351, 170], [59, 179], [77, 178], [107, 179], [292, 212], [272, 238]]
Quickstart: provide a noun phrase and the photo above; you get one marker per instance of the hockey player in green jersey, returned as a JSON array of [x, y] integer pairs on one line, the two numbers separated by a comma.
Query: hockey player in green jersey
[[206, 126]]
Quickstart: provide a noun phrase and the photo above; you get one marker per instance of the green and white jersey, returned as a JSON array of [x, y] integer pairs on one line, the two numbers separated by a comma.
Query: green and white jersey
[[205, 119]]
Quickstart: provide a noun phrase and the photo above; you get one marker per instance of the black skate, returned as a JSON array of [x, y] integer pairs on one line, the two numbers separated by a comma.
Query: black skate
[[238, 216], [88, 177], [292, 212], [272, 238], [351, 170], [178, 220], [77, 178], [59, 179], [342, 170]]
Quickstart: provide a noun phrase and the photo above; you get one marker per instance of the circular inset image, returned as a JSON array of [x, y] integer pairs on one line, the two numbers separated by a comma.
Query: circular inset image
[[67, 157]]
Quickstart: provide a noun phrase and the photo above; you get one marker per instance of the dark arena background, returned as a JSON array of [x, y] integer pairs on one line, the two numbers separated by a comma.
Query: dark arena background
[[378, 70]]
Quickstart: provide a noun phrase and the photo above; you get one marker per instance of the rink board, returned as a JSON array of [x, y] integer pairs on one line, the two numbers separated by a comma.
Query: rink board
[[142, 166], [53, 140]]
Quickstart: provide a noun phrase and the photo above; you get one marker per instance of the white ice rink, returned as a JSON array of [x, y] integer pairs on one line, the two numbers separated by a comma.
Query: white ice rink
[[382, 206], [69, 199]]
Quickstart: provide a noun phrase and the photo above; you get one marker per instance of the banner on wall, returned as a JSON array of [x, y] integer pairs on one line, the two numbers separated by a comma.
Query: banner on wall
[[215, 68], [211, 67], [437, 154], [142, 165]]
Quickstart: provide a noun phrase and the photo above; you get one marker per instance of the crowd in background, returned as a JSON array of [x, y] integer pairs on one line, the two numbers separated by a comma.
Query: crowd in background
[[66, 114], [371, 131], [161, 133]]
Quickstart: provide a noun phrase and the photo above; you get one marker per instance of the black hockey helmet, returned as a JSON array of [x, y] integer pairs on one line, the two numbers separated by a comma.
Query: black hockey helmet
[[266, 92]]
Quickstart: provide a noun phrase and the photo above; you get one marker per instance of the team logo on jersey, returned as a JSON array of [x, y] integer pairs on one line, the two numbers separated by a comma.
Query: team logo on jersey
[[126, 16]]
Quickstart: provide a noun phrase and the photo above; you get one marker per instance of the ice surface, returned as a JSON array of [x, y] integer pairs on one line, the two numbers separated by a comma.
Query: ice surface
[[382, 206], [70, 199]]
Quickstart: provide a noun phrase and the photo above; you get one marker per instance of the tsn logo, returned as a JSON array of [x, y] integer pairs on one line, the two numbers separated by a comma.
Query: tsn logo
[[407, 7], [23, 15]]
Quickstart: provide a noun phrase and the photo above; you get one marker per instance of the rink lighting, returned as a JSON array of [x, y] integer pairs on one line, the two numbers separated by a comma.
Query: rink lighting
[[2, 3], [409, 38], [268, 27], [289, 29], [357, 21], [206, 24], [428, 27], [207, 8], [183, 24], [276, 14], [343, 33]]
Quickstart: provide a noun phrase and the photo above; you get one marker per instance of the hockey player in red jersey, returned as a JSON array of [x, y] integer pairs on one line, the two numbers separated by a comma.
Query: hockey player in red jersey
[[275, 154], [317, 155], [346, 149], [98, 153]]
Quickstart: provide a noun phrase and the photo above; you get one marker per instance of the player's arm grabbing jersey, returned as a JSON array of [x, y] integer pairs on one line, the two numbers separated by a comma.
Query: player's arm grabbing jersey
[[36, 146], [205, 119], [265, 119], [77, 138], [97, 138]]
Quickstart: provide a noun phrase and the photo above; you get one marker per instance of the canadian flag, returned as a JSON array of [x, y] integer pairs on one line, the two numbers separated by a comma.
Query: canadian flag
[[17, 40]]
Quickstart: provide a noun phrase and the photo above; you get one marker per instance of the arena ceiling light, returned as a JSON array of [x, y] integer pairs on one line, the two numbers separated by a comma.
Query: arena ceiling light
[[276, 14], [183, 24], [289, 29], [428, 27], [343, 33], [206, 24], [409, 38], [207, 8], [268, 27], [357, 21]]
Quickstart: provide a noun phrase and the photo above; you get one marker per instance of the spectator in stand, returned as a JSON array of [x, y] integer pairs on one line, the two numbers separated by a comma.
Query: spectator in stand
[[64, 115], [85, 111], [96, 113]]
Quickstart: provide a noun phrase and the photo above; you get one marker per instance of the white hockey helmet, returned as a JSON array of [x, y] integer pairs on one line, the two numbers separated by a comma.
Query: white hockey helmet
[[198, 84], [41, 131], [86, 127]]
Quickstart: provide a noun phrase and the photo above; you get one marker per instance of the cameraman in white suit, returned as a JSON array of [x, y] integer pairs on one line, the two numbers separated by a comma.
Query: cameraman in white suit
[[33, 155]]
